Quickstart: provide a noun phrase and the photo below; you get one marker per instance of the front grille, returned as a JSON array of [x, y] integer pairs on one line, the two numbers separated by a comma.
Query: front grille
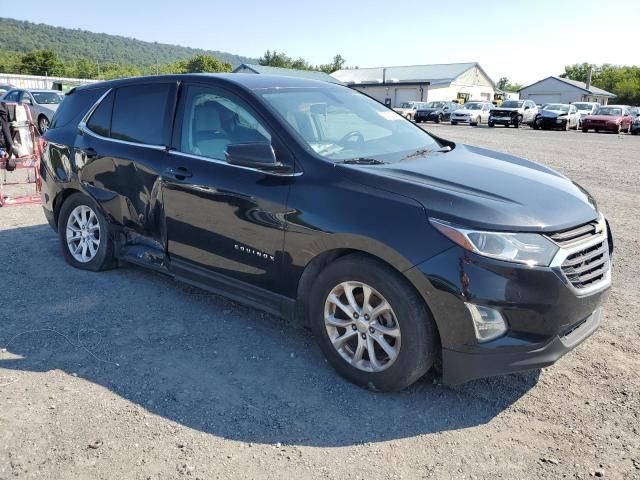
[[576, 234], [588, 266]]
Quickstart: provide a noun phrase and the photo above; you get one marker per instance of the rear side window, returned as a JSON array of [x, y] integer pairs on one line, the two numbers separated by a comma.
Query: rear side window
[[100, 121], [74, 106], [140, 113]]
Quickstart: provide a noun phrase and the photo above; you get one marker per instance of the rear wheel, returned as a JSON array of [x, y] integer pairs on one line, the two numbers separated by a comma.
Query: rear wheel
[[374, 329], [84, 234]]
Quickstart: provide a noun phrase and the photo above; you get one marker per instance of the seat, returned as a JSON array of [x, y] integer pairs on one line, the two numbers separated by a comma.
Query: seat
[[208, 137]]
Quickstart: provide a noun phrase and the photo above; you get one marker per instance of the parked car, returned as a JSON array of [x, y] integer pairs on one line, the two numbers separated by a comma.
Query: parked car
[[408, 109], [586, 109], [609, 118], [4, 88], [557, 115], [395, 246], [513, 112], [435, 111], [635, 120], [43, 103], [473, 113]]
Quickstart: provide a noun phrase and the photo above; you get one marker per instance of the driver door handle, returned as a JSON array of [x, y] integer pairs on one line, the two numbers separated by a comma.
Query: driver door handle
[[178, 172]]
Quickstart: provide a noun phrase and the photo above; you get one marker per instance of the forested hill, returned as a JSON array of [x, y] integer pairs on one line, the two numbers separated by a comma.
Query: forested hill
[[22, 37]]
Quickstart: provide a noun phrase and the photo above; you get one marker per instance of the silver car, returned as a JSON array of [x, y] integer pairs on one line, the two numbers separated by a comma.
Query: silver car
[[43, 103], [473, 113]]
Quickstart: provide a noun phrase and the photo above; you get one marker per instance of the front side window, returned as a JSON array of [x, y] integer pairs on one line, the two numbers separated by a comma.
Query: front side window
[[342, 124], [211, 120], [12, 96], [140, 113]]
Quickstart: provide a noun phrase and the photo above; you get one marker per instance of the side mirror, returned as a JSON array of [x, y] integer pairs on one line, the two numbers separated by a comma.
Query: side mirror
[[253, 155]]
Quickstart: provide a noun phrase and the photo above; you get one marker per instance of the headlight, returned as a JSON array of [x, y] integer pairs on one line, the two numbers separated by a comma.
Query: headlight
[[528, 248]]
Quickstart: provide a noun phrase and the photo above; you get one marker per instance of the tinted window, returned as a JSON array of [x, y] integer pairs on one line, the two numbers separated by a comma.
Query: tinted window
[[211, 120], [74, 106], [140, 113], [100, 121]]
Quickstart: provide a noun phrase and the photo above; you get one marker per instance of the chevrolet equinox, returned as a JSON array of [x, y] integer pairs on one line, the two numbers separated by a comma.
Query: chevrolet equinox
[[316, 203]]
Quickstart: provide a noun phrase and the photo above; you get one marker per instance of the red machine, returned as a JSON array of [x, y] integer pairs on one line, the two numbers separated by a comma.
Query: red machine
[[26, 153]]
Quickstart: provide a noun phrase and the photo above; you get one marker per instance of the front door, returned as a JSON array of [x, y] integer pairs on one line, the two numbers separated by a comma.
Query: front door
[[225, 223]]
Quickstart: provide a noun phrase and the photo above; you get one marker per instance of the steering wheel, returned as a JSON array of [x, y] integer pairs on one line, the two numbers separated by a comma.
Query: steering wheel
[[352, 134]]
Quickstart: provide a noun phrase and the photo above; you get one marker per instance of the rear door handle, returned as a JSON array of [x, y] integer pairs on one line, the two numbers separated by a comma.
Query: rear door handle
[[178, 172]]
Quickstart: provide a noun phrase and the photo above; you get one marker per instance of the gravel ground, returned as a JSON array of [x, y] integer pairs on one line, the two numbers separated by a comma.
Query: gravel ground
[[126, 374]]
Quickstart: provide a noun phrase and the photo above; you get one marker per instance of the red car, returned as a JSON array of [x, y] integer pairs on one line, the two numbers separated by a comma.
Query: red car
[[612, 118]]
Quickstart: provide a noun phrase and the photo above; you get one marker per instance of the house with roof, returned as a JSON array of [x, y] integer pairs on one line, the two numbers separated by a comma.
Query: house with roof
[[287, 72], [396, 85], [562, 90]]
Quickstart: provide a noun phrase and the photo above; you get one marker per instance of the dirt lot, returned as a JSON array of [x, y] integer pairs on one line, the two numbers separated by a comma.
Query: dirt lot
[[205, 388]]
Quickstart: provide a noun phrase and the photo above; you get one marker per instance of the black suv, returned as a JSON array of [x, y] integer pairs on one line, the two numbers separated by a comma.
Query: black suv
[[435, 111], [315, 202]]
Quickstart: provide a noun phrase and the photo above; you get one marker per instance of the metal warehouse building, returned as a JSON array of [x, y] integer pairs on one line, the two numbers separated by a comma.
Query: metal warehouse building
[[395, 85], [563, 90], [289, 72]]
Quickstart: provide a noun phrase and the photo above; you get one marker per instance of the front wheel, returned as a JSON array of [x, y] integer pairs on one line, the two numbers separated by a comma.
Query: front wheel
[[43, 124], [439, 119], [84, 234], [585, 130], [453, 122], [374, 329], [517, 121], [491, 124]]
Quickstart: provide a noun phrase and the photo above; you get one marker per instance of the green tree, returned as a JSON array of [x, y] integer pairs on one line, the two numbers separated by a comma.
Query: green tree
[[337, 64], [41, 62], [275, 59], [205, 63], [506, 86], [577, 71]]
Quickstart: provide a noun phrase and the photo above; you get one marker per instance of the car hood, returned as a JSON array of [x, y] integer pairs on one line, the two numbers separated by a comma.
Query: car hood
[[551, 113], [481, 188], [45, 107], [612, 118]]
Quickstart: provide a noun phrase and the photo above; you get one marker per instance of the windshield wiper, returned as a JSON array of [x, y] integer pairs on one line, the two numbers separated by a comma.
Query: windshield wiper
[[362, 161], [425, 151]]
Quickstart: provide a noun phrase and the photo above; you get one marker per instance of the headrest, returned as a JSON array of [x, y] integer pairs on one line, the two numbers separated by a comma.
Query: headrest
[[206, 117]]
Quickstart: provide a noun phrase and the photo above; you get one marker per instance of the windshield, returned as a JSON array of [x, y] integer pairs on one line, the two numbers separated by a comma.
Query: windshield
[[434, 105], [407, 105], [584, 106], [512, 104], [614, 112], [47, 98], [341, 124], [558, 107], [472, 106]]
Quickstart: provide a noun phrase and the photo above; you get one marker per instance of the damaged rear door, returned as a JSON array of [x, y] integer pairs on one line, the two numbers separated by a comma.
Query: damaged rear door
[[122, 147]]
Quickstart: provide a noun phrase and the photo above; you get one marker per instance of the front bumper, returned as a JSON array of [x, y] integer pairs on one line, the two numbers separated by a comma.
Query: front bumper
[[501, 120], [606, 127], [544, 122], [546, 317]]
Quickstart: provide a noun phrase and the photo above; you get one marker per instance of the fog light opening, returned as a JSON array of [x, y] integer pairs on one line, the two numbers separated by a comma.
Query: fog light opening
[[487, 322]]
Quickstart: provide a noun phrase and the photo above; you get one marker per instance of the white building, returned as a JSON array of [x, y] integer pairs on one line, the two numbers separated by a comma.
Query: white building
[[563, 90], [35, 81], [394, 85]]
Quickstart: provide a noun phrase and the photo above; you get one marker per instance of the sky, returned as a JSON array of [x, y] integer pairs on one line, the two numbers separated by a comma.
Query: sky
[[522, 40]]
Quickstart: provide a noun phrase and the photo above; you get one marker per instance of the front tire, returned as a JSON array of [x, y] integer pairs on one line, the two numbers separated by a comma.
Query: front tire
[[453, 122], [43, 124], [439, 119], [84, 234], [491, 124], [371, 324]]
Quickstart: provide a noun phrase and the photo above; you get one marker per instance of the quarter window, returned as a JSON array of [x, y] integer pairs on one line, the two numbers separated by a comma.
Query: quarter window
[[211, 120], [140, 113], [100, 121]]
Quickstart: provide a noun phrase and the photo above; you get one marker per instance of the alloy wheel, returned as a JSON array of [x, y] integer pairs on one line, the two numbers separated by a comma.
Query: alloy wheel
[[43, 124], [83, 233], [362, 326]]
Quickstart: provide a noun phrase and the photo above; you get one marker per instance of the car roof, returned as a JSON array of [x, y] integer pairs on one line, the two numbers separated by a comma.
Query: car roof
[[248, 80]]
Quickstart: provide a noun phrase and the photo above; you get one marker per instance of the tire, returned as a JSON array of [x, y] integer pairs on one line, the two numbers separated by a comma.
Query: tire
[[517, 121], [439, 119], [491, 124], [535, 126], [453, 122], [416, 339], [585, 130], [96, 232], [597, 130], [43, 124]]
